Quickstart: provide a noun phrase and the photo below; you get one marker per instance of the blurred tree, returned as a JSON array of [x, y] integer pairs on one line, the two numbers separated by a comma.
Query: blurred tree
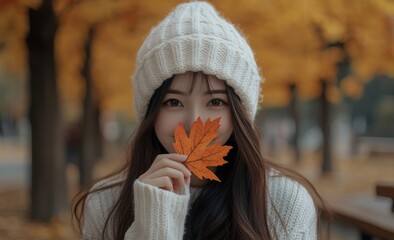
[[91, 136], [304, 42], [89, 21], [290, 40], [48, 181], [295, 115]]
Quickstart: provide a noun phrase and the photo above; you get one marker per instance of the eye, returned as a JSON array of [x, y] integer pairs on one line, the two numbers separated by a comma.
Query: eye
[[173, 103], [216, 102]]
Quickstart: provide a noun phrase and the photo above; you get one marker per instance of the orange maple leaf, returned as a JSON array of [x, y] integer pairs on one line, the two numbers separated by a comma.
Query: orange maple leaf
[[200, 154]]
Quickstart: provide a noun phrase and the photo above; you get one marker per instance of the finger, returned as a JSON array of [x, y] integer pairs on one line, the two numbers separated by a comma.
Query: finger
[[165, 162], [179, 185], [173, 156], [162, 161], [177, 177], [165, 157], [170, 172], [187, 180], [163, 182]]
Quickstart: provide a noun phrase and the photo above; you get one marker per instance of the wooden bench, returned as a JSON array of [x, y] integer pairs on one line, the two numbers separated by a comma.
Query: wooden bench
[[371, 215], [386, 190]]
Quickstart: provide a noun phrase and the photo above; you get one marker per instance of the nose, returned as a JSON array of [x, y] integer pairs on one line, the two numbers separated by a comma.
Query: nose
[[192, 116]]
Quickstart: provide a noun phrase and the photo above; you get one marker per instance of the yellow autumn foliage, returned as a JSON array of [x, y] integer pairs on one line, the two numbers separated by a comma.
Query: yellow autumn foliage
[[289, 39]]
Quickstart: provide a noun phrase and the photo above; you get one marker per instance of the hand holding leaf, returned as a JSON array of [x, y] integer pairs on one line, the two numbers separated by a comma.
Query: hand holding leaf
[[200, 154]]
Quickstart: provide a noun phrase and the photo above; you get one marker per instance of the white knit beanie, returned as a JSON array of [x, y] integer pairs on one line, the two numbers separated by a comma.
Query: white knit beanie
[[194, 37]]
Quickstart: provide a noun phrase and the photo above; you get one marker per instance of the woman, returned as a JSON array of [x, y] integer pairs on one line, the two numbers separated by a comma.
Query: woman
[[196, 64]]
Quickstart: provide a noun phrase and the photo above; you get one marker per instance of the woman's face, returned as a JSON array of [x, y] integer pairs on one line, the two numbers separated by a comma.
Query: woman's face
[[181, 105]]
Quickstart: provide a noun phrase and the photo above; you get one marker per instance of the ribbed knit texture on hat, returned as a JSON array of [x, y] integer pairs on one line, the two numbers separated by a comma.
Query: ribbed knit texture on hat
[[194, 37]]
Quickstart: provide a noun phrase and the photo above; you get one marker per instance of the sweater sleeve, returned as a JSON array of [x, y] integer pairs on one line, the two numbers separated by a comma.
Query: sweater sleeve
[[292, 213], [159, 214]]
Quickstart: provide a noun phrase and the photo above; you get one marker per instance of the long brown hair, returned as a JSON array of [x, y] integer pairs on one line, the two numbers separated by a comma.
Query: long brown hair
[[236, 208]]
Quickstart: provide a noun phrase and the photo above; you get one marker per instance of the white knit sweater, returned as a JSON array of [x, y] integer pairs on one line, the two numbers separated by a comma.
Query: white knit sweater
[[160, 214]]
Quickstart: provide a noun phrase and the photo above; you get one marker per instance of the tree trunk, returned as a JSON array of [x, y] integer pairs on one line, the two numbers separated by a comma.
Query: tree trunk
[[325, 126], [48, 180], [296, 119], [91, 134]]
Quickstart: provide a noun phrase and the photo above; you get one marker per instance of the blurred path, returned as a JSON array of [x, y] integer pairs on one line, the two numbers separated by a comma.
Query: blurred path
[[354, 176], [14, 163]]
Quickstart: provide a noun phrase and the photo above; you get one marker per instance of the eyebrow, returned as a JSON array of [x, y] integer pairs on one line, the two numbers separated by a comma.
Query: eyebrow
[[223, 91]]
